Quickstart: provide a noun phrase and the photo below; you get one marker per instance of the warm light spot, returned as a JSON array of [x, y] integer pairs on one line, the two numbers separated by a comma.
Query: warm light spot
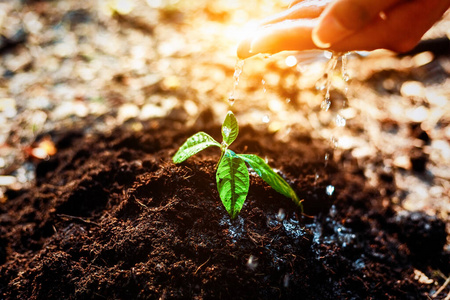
[[436, 98], [275, 105], [124, 7], [171, 83], [44, 149], [39, 153], [412, 89], [6, 180], [155, 3], [328, 54], [423, 58], [127, 111], [275, 126], [418, 114], [291, 61]]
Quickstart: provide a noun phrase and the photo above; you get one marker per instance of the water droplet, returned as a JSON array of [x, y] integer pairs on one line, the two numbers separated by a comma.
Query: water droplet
[[325, 105], [266, 119], [252, 263], [288, 100], [281, 215], [329, 190], [333, 210], [238, 68], [321, 84], [340, 121], [327, 156], [226, 131], [264, 85], [345, 77], [231, 100], [334, 142]]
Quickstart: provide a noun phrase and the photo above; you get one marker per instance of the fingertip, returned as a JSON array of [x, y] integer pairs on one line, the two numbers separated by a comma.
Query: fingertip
[[244, 49], [317, 41]]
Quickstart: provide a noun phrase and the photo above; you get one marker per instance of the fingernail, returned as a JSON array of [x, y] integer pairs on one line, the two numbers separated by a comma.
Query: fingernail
[[328, 32]]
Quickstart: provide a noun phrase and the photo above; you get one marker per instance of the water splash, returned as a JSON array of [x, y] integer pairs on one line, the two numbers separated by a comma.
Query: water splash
[[332, 231], [235, 227]]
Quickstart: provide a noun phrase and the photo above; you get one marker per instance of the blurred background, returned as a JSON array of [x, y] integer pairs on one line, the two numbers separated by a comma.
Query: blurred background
[[90, 66]]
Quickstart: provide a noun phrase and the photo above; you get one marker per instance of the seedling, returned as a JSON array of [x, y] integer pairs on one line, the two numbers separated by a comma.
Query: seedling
[[232, 174]]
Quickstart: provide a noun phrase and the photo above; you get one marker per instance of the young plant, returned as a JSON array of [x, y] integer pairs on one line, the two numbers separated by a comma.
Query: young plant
[[232, 175]]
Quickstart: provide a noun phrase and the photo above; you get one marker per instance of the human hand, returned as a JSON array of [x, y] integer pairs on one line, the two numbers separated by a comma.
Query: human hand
[[345, 25]]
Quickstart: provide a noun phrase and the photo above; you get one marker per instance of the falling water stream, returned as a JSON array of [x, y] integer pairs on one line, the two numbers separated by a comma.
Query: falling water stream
[[324, 85], [238, 68]]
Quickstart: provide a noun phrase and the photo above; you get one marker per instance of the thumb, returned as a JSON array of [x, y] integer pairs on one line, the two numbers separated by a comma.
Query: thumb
[[344, 17]]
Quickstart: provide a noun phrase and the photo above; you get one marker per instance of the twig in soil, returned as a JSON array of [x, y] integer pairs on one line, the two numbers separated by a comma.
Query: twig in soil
[[441, 289], [78, 219], [202, 265]]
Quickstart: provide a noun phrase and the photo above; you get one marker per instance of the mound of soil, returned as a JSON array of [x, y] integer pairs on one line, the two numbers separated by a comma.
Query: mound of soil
[[112, 217]]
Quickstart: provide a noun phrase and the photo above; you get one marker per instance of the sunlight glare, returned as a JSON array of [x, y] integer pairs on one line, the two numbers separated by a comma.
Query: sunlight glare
[[291, 61]]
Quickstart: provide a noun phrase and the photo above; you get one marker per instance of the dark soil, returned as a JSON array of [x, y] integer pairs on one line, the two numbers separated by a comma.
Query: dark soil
[[111, 217]]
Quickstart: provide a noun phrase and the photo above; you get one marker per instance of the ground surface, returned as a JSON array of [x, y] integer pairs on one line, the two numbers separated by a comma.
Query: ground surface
[[95, 98]]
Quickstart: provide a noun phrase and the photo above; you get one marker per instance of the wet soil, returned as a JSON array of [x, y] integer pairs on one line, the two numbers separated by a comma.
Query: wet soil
[[111, 217]]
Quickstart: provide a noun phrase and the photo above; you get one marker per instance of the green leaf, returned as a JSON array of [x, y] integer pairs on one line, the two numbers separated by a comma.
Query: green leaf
[[193, 145], [230, 128], [232, 182], [270, 176]]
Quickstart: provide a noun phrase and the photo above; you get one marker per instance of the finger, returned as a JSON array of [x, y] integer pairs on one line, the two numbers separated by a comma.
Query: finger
[[305, 9], [343, 17], [294, 2], [392, 33], [287, 35]]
